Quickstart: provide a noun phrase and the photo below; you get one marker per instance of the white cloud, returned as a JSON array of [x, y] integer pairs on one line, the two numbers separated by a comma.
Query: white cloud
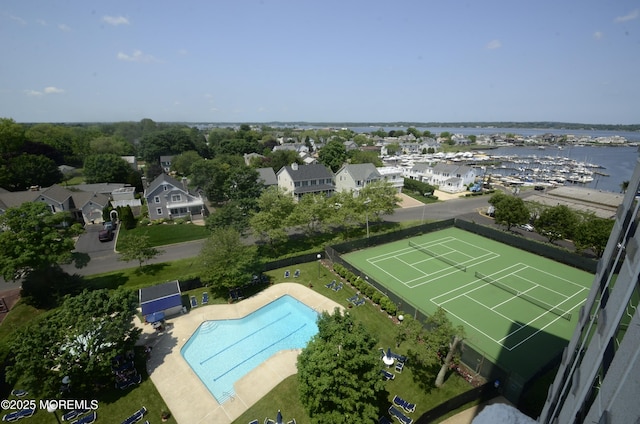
[[18, 19], [64, 27], [41, 22], [47, 90], [493, 44], [115, 20], [598, 35], [53, 90], [634, 14], [136, 56]]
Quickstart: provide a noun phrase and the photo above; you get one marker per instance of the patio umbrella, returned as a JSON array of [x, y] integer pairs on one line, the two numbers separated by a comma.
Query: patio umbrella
[[155, 317], [388, 352], [279, 418]]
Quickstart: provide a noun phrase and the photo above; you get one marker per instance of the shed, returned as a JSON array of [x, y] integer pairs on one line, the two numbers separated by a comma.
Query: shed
[[165, 298]]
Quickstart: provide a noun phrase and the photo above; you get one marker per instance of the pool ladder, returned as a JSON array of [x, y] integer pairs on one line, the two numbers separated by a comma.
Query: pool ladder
[[227, 396]]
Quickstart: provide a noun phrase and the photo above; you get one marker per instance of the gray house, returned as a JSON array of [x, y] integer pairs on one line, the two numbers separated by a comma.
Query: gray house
[[169, 198], [299, 180], [353, 177]]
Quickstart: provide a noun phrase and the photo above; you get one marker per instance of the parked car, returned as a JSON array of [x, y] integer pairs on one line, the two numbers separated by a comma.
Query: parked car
[[526, 227], [105, 235], [109, 225]]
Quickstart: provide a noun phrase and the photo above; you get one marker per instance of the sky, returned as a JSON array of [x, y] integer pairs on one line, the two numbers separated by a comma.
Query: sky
[[320, 61]]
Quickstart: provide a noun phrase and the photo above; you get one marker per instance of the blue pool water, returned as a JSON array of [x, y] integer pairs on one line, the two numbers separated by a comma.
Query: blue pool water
[[221, 352]]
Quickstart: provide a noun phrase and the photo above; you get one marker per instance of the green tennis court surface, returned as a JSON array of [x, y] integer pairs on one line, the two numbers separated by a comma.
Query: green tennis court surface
[[519, 310]]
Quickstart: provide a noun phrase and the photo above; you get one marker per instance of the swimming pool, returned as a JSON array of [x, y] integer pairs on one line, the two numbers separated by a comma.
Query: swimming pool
[[221, 352]]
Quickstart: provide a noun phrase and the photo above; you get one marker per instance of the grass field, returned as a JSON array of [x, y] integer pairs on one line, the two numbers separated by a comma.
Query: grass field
[[518, 309]]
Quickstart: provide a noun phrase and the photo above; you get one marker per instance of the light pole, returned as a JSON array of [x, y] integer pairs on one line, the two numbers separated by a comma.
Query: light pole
[[319, 264], [366, 214]]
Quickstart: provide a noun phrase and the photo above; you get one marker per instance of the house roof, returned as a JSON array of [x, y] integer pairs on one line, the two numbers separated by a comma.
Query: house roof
[[104, 188], [444, 167], [361, 171], [164, 178], [267, 176], [159, 291], [81, 198], [167, 158], [307, 172], [55, 193]]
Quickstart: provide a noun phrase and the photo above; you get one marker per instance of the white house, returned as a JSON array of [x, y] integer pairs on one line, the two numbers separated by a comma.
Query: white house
[[392, 175], [354, 177], [306, 179]]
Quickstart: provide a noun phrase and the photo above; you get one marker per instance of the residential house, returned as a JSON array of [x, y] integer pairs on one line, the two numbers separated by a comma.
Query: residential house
[[169, 198], [350, 145], [125, 196], [165, 163], [452, 178], [354, 177], [267, 176], [393, 175], [306, 179], [164, 299], [84, 206], [420, 171]]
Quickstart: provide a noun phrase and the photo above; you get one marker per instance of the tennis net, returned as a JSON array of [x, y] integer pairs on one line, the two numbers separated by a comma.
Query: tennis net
[[440, 257], [540, 303]]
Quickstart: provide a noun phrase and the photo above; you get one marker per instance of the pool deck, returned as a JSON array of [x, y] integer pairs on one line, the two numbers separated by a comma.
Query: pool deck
[[184, 394]]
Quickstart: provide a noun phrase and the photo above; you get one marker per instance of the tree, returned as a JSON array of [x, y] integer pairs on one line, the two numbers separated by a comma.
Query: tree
[[409, 330], [333, 155], [79, 340], [25, 170], [274, 208], [365, 156], [137, 247], [510, 210], [106, 168], [181, 164], [338, 372], [12, 136], [231, 215], [378, 198], [593, 233], [111, 144], [310, 213], [443, 340], [227, 262], [556, 223], [171, 141], [393, 148], [33, 237]]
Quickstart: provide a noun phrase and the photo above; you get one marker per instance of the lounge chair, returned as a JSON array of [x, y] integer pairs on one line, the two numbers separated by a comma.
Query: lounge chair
[[407, 406], [353, 298], [87, 419], [384, 420], [331, 285], [194, 302], [12, 416], [205, 298], [338, 287], [136, 416], [359, 302], [399, 357], [254, 422], [387, 375], [296, 274], [287, 274], [269, 421], [399, 366], [397, 414], [19, 392], [70, 415], [293, 421], [24, 413]]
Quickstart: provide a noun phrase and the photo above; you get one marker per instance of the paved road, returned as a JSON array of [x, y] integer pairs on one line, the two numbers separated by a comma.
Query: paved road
[[102, 257]]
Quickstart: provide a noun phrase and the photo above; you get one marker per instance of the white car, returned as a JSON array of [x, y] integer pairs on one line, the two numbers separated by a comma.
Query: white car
[[526, 227]]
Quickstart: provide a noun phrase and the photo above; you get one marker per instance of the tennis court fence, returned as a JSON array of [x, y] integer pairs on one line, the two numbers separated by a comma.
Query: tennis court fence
[[525, 296], [439, 257]]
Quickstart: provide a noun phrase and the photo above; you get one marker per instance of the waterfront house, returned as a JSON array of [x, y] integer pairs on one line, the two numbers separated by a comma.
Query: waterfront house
[[354, 177]]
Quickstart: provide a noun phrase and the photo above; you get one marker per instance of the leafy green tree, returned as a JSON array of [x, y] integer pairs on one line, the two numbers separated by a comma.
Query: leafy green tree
[[125, 215], [593, 233], [227, 261], [338, 372], [70, 142], [378, 198], [137, 247], [45, 288], [79, 340], [181, 164], [111, 144], [171, 141], [510, 210], [409, 330], [361, 139], [443, 340], [393, 148], [270, 222], [231, 214], [347, 211], [310, 213], [106, 168], [414, 131], [333, 155], [364, 156], [25, 170], [280, 158], [33, 237], [12, 136], [556, 223]]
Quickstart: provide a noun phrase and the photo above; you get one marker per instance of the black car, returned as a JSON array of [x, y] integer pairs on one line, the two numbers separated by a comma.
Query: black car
[[105, 235]]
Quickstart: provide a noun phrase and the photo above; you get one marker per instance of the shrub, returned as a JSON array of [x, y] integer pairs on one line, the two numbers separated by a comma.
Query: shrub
[[144, 222]]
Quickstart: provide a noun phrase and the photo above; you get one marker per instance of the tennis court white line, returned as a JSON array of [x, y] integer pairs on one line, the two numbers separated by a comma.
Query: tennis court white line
[[406, 249]]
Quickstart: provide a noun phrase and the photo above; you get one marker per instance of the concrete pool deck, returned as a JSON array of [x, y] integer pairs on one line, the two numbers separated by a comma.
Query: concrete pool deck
[[181, 389]]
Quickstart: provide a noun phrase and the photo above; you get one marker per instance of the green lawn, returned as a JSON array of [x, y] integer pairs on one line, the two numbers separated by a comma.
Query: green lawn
[[164, 234]]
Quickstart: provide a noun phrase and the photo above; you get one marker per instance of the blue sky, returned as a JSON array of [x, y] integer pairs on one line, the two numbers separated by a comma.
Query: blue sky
[[320, 61]]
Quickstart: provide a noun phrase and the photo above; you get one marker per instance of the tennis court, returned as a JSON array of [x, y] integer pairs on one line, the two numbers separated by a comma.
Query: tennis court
[[518, 309]]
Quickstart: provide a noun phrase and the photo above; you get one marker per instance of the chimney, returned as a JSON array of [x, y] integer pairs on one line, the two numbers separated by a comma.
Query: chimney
[[184, 183]]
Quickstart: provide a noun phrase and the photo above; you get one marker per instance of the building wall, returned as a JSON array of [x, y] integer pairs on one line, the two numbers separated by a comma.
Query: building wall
[[598, 379]]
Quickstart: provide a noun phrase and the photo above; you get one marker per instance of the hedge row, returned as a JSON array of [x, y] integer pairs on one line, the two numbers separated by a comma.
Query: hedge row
[[367, 289]]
